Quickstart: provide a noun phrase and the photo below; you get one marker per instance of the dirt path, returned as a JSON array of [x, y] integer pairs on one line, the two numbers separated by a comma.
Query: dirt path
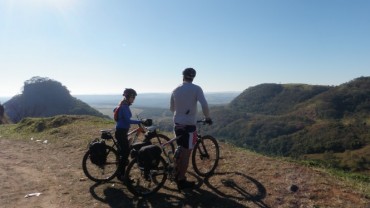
[[242, 180]]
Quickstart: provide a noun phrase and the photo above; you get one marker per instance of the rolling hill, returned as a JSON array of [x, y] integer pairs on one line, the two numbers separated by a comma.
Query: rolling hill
[[299, 120]]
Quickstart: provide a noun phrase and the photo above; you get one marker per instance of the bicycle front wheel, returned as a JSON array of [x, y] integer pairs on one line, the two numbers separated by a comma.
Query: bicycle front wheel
[[102, 173], [205, 156], [142, 183]]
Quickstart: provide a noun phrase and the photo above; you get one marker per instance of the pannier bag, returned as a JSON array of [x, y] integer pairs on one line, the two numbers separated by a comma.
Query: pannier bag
[[149, 156], [98, 152], [136, 147]]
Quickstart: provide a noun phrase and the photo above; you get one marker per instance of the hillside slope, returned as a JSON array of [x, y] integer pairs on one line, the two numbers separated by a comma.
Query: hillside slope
[[298, 120], [50, 163], [43, 97], [3, 118]]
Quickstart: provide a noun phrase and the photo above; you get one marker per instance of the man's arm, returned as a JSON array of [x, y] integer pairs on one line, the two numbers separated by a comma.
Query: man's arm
[[172, 103], [203, 102]]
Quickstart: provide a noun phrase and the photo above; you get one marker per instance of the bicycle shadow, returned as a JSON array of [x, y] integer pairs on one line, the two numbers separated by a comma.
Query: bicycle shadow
[[237, 186], [228, 189], [197, 197], [108, 193], [115, 196]]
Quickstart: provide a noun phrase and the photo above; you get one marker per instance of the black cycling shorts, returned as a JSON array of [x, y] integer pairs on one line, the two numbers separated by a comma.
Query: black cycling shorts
[[187, 135]]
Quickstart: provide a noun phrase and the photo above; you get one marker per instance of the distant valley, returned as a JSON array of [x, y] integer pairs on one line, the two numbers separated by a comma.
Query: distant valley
[[160, 101], [106, 103], [154, 100]]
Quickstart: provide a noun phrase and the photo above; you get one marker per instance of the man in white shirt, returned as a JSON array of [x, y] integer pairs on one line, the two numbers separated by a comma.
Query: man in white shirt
[[183, 104]]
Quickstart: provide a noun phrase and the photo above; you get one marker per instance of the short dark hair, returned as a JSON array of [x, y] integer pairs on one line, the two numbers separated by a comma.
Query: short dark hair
[[189, 72]]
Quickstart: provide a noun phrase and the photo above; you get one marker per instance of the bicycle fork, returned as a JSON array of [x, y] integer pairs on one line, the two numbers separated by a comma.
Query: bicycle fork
[[202, 150]]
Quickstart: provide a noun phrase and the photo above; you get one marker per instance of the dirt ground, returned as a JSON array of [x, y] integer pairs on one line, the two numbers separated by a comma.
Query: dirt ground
[[242, 179]]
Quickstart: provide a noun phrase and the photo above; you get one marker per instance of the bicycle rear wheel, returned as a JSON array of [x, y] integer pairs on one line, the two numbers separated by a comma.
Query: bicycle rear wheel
[[205, 156], [141, 184], [101, 173]]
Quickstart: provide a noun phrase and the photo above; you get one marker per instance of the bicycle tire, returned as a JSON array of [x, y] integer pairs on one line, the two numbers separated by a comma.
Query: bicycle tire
[[205, 156], [139, 185], [160, 139], [101, 173]]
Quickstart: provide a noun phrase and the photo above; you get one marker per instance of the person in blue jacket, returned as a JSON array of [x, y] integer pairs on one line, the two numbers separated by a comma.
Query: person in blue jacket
[[123, 123]]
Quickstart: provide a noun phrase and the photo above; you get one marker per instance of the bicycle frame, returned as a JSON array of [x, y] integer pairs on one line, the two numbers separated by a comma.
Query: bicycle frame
[[111, 167], [136, 132], [168, 154], [204, 157]]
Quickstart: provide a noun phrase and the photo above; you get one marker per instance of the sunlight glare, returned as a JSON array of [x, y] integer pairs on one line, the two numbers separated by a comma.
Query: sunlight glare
[[55, 4]]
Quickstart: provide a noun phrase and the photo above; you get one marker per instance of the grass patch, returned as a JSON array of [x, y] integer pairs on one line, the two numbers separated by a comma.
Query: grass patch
[[58, 127], [359, 180]]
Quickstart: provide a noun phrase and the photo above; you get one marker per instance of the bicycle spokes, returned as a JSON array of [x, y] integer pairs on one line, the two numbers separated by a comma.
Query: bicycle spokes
[[205, 156], [144, 182]]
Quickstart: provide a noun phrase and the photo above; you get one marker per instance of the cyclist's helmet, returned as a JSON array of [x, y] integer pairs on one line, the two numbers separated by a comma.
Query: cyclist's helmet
[[189, 73], [129, 92]]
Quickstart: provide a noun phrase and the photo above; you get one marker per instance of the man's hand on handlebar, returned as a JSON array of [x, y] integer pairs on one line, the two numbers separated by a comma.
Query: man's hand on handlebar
[[208, 121]]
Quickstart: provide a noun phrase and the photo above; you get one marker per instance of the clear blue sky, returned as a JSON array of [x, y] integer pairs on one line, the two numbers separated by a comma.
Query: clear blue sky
[[103, 46]]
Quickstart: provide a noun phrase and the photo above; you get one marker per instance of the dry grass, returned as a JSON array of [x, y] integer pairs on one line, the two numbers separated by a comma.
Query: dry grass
[[243, 178]]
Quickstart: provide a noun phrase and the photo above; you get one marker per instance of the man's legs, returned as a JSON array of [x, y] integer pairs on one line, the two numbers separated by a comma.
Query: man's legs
[[184, 141], [182, 163]]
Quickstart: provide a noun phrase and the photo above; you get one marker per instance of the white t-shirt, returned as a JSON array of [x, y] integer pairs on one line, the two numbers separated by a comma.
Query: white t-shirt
[[184, 101]]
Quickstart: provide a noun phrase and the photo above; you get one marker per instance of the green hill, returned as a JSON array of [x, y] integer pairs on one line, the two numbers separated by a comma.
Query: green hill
[[43, 97], [275, 99], [300, 120]]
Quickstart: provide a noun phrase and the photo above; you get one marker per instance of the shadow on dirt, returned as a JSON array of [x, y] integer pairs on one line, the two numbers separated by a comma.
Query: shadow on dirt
[[237, 186], [223, 190], [110, 195]]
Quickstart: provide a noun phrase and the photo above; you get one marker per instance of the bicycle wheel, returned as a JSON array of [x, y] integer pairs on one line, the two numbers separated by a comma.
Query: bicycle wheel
[[101, 173], [161, 139], [205, 156], [141, 184]]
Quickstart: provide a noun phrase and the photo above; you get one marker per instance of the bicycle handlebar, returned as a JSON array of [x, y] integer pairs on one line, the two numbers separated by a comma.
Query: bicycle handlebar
[[205, 121]]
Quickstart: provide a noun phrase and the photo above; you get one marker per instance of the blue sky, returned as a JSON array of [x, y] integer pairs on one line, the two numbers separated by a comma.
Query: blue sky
[[102, 47]]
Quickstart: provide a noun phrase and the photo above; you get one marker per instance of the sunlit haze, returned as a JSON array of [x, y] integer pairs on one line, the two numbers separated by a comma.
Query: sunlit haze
[[102, 47]]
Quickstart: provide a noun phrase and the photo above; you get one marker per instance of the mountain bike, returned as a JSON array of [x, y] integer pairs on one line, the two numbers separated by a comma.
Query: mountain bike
[[111, 166], [205, 157]]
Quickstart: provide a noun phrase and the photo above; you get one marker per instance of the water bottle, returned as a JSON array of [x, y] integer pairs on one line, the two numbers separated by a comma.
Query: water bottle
[[170, 156], [177, 152], [172, 165]]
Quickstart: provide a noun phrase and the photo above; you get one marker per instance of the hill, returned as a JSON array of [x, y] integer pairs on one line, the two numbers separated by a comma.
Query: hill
[[43, 97], [3, 118], [50, 164], [301, 121]]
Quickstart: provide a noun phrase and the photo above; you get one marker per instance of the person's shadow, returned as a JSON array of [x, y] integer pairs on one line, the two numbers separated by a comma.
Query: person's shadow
[[226, 189]]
